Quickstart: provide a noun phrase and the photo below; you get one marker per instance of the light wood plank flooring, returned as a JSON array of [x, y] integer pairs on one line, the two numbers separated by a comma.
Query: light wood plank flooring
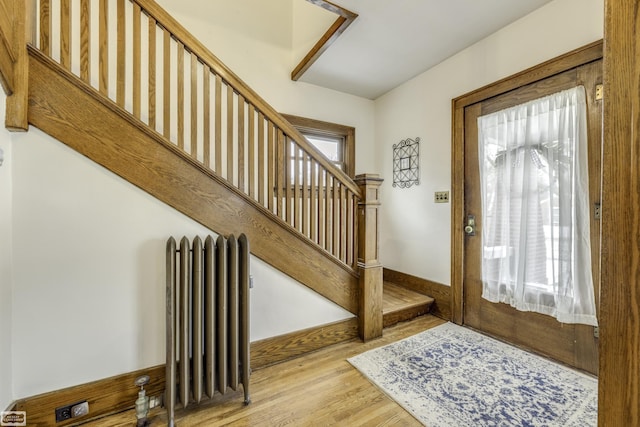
[[319, 389]]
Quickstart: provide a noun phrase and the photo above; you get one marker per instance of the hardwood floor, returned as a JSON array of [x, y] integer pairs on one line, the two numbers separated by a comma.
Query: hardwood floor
[[319, 389]]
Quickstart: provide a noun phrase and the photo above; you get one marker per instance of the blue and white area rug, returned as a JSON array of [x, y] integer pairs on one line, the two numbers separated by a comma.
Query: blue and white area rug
[[450, 376]]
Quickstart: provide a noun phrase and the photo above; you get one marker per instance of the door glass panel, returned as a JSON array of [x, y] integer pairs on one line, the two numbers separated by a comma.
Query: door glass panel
[[535, 205]]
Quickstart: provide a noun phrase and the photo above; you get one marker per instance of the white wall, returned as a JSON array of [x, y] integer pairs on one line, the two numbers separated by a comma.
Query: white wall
[[87, 296], [415, 231], [86, 275], [6, 279], [89, 273]]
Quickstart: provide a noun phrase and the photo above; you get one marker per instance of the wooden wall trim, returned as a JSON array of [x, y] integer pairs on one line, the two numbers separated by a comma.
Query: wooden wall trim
[[580, 56], [457, 211], [345, 18], [305, 124], [106, 396], [577, 57], [66, 108], [441, 293], [284, 347], [619, 369], [118, 393]]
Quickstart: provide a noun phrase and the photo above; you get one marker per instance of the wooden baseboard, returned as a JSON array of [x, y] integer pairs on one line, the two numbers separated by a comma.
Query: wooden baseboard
[[105, 397], [118, 393], [284, 347], [441, 293]]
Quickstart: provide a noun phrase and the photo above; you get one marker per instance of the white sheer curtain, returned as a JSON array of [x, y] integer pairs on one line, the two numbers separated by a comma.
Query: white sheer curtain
[[535, 207]]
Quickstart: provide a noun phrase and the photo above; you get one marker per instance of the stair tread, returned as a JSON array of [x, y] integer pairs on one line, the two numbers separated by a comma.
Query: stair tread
[[397, 298]]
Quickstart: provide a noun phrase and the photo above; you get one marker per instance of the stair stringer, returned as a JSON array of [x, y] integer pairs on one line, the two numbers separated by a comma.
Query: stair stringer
[[69, 110]]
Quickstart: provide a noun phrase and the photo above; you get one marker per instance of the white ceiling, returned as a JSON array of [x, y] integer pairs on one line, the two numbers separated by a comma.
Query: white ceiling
[[392, 41]]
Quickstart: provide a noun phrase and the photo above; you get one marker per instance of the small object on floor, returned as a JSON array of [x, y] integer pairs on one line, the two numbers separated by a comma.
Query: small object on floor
[[142, 402]]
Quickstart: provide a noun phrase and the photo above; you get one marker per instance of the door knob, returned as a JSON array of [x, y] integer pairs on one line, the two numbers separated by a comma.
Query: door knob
[[470, 228]]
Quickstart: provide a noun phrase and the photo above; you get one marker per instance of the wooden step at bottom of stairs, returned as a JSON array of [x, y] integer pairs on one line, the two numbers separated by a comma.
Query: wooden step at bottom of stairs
[[400, 304]]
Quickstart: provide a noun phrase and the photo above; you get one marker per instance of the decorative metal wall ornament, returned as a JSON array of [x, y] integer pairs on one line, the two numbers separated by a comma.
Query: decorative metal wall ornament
[[406, 163]]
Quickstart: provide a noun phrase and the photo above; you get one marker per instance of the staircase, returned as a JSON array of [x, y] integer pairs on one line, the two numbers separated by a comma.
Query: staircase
[[165, 114], [400, 304]]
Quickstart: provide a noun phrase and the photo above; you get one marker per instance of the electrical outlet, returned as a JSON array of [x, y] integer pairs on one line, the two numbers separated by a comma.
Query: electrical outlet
[[63, 413], [78, 409], [441, 197], [155, 401]]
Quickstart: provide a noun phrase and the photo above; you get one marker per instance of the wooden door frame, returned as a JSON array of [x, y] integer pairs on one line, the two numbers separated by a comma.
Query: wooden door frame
[[619, 354], [573, 59], [619, 378]]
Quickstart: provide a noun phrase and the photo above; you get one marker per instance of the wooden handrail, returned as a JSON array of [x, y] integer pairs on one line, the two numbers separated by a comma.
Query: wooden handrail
[[208, 58], [270, 167], [169, 81]]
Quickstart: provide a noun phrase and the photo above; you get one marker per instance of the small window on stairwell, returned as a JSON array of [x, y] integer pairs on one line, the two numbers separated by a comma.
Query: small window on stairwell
[[330, 146], [336, 142]]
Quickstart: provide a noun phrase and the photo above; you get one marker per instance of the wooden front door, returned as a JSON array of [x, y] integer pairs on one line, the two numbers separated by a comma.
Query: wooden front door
[[575, 345]]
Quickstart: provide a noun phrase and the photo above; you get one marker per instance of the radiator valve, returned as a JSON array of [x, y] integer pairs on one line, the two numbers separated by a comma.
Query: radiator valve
[[142, 402]]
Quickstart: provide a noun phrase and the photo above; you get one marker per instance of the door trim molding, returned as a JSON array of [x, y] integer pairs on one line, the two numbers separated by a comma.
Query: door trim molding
[[575, 58]]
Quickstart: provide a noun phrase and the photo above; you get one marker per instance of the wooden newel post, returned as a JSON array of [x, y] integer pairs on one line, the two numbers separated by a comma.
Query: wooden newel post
[[370, 286], [17, 29]]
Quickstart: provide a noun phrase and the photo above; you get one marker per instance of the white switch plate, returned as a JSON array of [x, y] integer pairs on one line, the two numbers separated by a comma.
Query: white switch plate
[[441, 197], [80, 409]]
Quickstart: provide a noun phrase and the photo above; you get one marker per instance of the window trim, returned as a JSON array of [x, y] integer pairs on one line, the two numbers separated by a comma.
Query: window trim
[[322, 128]]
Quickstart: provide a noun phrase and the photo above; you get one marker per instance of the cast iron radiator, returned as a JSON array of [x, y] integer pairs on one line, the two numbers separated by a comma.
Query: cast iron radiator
[[207, 319]]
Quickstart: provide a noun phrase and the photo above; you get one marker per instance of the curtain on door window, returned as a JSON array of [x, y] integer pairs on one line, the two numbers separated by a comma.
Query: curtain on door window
[[535, 207]]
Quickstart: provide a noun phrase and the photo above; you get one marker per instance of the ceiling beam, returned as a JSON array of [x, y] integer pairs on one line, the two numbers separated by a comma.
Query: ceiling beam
[[345, 18]]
